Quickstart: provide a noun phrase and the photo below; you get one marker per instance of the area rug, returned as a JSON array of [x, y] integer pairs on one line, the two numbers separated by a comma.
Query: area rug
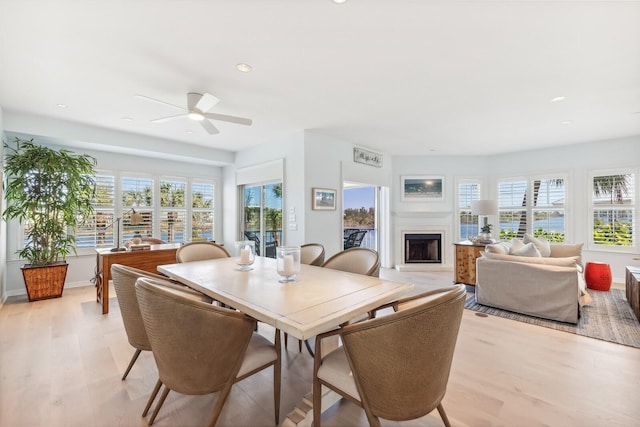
[[608, 317]]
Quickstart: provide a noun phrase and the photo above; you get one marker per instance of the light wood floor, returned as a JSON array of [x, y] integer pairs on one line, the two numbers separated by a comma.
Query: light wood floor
[[61, 363]]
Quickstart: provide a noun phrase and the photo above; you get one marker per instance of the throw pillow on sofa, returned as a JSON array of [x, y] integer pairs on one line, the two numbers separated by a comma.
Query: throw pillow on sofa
[[541, 243], [528, 250], [561, 250], [498, 248]]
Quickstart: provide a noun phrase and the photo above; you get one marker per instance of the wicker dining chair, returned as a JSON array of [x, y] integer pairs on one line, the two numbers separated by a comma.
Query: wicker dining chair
[[199, 251], [219, 349], [395, 366], [124, 280]]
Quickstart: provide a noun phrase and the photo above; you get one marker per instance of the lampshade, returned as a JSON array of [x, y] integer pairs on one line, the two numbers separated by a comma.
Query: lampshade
[[484, 207]]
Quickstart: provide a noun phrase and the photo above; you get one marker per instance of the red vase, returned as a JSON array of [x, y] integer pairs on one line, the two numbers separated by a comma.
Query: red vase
[[598, 276]]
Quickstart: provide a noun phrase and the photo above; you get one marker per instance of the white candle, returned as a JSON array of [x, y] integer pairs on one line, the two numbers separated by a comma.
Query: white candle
[[288, 269], [244, 256]]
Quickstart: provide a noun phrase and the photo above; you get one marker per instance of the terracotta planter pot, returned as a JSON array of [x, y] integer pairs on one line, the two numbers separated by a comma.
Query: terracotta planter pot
[[44, 282]]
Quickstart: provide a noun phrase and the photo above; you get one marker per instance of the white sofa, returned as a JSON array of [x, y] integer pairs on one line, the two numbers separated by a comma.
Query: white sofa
[[550, 287]]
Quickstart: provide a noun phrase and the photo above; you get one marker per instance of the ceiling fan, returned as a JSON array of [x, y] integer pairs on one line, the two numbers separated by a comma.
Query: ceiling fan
[[198, 106]]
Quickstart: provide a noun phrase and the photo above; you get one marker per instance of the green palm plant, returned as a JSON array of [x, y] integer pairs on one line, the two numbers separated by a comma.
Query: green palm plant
[[50, 192]]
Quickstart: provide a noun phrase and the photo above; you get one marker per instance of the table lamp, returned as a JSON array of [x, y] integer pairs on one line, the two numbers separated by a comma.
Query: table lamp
[[484, 208]]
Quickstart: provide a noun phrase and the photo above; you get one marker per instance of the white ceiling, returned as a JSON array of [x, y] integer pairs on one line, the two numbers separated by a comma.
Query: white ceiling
[[399, 76]]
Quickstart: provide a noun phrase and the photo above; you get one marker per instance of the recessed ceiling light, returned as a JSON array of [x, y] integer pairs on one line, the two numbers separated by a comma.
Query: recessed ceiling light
[[566, 122], [62, 106], [339, 1], [558, 98], [127, 119], [189, 131], [245, 68]]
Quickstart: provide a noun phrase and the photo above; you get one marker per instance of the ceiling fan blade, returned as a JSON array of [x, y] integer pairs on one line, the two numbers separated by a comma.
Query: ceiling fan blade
[[209, 127], [206, 102], [231, 119], [158, 101], [166, 119]]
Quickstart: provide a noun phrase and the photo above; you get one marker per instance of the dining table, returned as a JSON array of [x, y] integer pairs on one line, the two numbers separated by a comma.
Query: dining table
[[318, 300]]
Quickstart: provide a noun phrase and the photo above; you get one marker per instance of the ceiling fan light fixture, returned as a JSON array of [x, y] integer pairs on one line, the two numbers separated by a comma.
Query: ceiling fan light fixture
[[194, 115]]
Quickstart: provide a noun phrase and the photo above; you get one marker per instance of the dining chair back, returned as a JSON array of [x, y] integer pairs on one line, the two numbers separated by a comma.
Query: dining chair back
[[312, 254], [395, 366], [200, 251], [356, 260], [124, 280], [201, 348]]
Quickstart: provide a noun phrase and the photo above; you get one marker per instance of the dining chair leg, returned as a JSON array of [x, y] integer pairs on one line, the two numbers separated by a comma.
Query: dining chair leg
[[165, 392], [154, 393], [443, 415], [131, 362], [217, 407], [277, 378]]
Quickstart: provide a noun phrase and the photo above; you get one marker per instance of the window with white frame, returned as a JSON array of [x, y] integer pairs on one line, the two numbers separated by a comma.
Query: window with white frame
[[173, 210], [468, 191], [97, 231], [613, 205], [137, 196], [533, 205], [202, 196]]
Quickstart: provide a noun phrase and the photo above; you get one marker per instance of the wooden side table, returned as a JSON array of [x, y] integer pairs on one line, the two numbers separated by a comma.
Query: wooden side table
[[633, 289], [465, 262]]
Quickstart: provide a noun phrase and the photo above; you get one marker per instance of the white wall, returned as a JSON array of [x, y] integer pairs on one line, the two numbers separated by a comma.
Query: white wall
[[328, 163], [290, 149], [573, 160]]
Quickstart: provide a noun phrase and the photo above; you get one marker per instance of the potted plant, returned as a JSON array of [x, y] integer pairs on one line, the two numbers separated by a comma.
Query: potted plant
[[486, 231], [50, 192]]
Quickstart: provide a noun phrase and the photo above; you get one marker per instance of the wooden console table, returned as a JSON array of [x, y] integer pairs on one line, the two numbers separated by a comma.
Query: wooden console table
[[146, 260], [633, 289], [466, 254]]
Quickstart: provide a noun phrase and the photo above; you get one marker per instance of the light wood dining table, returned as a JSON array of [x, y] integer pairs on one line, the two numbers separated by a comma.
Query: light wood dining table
[[319, 300]]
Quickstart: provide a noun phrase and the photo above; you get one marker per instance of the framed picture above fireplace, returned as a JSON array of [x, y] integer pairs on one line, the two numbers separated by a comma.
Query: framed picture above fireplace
[[422, 188]]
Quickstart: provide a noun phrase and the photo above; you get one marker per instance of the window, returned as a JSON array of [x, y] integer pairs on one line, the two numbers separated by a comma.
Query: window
[[468, 223], [534, 205], [97, 231], [613, 205], [173, 212], [172, 209], [202, 210], [137, 195]]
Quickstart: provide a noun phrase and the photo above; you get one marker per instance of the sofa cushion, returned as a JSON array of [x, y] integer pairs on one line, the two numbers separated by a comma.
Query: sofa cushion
[[540, 242], [528, 250], [571, 261]]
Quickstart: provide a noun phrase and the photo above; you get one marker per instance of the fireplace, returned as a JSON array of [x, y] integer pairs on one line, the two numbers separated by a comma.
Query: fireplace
[[423, 248]]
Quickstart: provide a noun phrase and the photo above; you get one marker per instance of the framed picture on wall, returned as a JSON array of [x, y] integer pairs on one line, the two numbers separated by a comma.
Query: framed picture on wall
[[422, 188], [323, 199]]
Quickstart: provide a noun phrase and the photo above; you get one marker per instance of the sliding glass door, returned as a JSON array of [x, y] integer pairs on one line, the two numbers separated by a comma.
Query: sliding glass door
[[262, 216]]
